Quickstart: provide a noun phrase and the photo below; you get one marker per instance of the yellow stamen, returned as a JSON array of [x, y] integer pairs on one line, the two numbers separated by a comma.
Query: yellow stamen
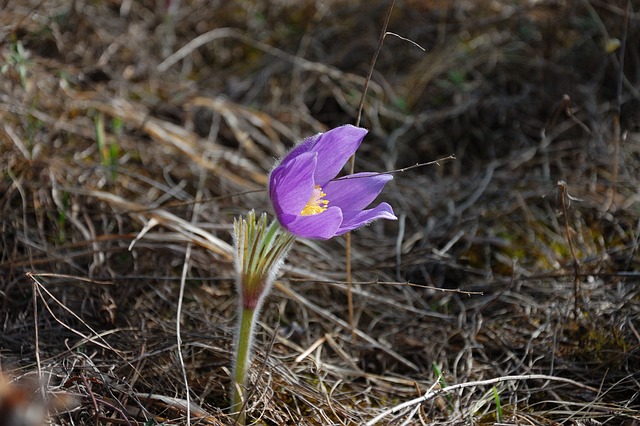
[[316, 204]]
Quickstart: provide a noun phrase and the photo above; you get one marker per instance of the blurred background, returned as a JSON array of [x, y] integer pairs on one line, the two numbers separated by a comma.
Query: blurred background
[[133, 132]]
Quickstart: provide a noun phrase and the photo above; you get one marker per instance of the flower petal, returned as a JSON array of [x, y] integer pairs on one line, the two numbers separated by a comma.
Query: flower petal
[[334, 149], [291, 184], [355, 219], [302, 147], [355, 192], [320, 226]]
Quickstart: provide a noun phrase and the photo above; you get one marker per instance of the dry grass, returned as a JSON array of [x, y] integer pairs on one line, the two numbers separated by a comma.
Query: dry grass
[[124, 116]]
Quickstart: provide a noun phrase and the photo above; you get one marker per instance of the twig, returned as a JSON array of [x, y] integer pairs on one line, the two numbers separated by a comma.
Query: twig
[[437, 392], [92, 397], [399, 239], [371, 67], [185, 269], [37, 340], [352, 162], [564, 196], [406, 39]]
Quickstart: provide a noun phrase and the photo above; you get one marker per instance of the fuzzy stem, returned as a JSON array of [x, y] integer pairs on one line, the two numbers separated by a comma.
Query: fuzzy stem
[[260, 252], [243, 354]]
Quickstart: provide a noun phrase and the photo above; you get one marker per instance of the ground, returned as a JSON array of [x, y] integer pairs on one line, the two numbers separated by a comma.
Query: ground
[[134, 132]]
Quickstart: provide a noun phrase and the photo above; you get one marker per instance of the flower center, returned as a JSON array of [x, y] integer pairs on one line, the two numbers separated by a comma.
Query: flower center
[[315, 204]]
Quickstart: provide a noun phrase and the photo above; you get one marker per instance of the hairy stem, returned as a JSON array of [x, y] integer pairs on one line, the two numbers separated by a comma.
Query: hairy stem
[[246, 328]]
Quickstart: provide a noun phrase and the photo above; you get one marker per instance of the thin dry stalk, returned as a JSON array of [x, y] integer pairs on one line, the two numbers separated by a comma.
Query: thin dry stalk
[[352, 161], [564, 198]]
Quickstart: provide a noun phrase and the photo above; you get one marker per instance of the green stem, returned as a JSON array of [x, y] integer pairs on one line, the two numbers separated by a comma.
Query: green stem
[[243, 354]]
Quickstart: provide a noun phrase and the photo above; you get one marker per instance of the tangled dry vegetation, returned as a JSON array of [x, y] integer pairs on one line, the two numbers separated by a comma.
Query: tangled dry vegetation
[[133, 132]]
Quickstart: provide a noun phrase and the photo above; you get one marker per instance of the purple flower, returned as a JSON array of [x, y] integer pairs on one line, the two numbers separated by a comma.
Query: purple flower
[[309, 201]]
